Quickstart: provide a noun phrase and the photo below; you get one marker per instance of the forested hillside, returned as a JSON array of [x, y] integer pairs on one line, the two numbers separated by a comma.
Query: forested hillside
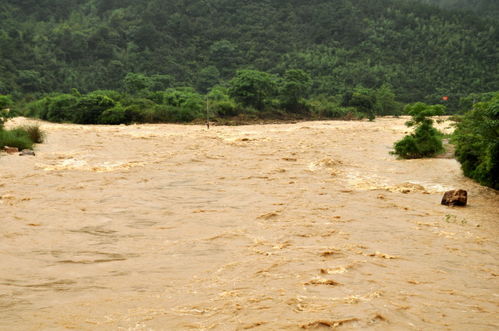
[[422, 51], [488, 8]]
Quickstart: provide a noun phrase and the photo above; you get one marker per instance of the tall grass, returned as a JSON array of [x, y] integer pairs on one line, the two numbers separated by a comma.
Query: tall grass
[[35, 134], [15, 138]]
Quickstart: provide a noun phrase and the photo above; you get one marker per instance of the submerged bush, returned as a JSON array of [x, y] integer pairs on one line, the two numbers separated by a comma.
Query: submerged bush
[[477, 142], [426, 141]]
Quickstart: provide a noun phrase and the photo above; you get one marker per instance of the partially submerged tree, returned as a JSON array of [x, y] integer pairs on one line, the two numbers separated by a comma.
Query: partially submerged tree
[[426, 141]]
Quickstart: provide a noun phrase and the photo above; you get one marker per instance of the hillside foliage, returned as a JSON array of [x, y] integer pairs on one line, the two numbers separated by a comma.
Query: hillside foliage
[[477, 142], [421, 51]]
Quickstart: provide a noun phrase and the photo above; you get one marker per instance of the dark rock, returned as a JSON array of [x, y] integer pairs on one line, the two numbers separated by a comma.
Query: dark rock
[[10, 150], [455, 198], [27, 152]]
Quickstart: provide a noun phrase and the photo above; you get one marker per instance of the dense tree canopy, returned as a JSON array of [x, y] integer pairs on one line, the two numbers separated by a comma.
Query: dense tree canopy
[[422, 51], [488, 8], [477, 142]]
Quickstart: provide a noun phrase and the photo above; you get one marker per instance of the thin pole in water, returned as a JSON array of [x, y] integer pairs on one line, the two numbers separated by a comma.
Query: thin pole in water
[[207, 115]]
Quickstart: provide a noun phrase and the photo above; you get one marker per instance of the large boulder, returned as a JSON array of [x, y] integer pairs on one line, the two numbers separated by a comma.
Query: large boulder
[[455, 198]]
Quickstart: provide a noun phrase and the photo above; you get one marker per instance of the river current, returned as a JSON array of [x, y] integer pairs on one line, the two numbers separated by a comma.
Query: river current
[[312, 225]]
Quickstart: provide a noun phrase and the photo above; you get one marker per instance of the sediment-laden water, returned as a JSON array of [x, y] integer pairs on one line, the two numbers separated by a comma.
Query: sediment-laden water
[[276, 227]]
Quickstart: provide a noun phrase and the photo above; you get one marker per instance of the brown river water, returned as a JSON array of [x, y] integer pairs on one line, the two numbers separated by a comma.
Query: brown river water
[[311, 225]]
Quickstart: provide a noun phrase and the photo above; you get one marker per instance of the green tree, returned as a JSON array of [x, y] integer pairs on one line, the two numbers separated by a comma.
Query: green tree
[[160, 82], [220, 103], [477, 142], [363, 100], [135, 83], [426, 141], [207, 78], [295, 86], [386, 103], [89, 108], [252, 88]]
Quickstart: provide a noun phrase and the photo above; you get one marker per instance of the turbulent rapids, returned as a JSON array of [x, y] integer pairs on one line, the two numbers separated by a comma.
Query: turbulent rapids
[[311, 225]]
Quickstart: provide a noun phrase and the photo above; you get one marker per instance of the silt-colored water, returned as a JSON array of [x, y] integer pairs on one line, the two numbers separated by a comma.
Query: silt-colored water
[[276, 227]]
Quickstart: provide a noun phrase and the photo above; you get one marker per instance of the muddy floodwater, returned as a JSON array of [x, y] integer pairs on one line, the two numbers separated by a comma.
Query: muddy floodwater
[[311, 225]]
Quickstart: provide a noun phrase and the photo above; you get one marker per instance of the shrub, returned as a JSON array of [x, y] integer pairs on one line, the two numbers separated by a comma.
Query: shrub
[[90, 107], [426, 141], [116, 115], [114, 95], [59, 108], [253, 88], [225, 108], [138, 110], [477, 142], [362, 99], [168, 113], [37, 108], [186, 104], [5, 101]]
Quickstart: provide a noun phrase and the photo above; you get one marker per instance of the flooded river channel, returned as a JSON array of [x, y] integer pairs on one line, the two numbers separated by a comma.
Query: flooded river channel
[[311, 225]]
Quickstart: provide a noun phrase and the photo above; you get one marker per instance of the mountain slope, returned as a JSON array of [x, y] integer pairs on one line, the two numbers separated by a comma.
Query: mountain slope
[[489, 8], [422, 51]]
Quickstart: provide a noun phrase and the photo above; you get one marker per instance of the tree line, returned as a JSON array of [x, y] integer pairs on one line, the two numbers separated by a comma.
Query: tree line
[[249, 95]]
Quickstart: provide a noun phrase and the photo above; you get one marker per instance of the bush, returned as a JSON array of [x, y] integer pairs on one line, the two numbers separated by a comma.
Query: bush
[[37, 108], [426, 141], [168, 113], [15, 138], [337, 112], [89, 108], [477, 142], [253, 88], [59, 108], [330, 108], [5, 101], [225, 108], [114, 95], [138, 110], [114, 116]]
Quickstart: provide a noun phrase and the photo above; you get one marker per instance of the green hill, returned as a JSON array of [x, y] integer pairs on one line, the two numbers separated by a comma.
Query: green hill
[[422, 51], [488, 8]]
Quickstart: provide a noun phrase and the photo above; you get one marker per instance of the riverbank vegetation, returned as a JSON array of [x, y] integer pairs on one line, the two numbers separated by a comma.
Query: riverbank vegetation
[[22, 137], [250, 94], [477, 142]]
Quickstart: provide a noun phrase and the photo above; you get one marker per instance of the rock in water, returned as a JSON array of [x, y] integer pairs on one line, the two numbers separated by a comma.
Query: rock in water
[[27, 152], [10, 150], [455, 198]]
